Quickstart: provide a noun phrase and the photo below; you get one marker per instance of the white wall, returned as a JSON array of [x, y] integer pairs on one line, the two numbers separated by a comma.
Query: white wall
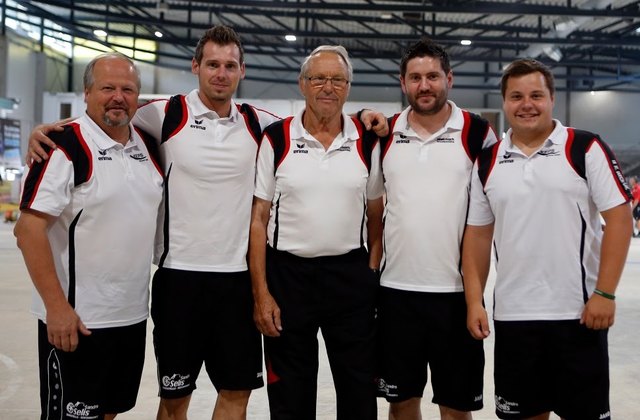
[[612, 115]]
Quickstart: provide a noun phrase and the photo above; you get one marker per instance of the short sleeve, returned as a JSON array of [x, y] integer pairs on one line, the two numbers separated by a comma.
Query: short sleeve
[[47, 185], [375, 184], [480, 213], [265, 176], [604, 177]]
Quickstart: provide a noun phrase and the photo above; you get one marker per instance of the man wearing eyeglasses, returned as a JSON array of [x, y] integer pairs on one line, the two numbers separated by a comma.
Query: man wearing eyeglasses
[[316, 184]]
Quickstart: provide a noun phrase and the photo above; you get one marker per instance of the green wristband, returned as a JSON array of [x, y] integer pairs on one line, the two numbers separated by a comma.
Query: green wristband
[[604, 294]]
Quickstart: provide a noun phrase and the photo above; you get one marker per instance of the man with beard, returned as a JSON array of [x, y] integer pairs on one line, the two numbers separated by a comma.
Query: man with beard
[[86, 229], [426, 162]]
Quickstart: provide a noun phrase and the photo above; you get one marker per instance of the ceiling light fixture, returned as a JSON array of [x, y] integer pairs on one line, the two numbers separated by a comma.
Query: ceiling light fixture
[[465, 42], [290, 37], [158, 34], [99, 32]]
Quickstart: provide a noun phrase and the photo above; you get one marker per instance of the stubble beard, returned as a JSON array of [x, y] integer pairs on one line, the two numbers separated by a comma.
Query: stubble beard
[[439, 102]]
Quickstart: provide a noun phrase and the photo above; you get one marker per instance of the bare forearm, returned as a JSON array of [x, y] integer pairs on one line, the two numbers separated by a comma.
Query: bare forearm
[[374, 231], [257, 260], [476, 261], [258, 246], [615, 246], [33, 242]]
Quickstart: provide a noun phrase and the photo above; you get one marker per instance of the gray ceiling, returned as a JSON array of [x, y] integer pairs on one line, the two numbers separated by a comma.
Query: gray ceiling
[[594, 42]]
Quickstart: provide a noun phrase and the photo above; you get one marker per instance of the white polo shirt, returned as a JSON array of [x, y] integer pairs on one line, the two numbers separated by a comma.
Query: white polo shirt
[[318, 196], [426, 183], [105, 197], [210, 169], [547, 227]]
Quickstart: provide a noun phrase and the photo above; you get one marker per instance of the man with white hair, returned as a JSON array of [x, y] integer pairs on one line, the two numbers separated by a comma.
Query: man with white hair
[[317, 182]]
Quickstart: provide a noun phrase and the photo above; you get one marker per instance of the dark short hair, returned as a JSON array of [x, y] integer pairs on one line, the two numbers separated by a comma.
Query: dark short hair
[[524, 66], [423, 48], [220, 35]]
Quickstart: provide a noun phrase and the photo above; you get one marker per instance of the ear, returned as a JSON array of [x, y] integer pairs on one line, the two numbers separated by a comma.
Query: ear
[[450, 79], [242, 71], [195, 67]]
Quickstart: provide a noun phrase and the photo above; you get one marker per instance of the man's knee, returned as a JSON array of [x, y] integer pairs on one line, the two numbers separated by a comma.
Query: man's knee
[[405, 410], [173, 408], [231, 405], [235, 397], [448, 413]]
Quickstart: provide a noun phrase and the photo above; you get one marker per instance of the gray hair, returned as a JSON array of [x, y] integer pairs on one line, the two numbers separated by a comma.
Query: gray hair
[[335, 49], [88, 79]]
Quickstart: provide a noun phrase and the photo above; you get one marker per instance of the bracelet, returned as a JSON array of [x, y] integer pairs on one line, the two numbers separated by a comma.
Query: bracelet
[[604, 294]]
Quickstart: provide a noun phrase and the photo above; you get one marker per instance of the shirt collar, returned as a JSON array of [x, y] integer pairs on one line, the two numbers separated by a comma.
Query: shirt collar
[[102, 139], [199, 109], [349, 130], [454, 123], [557, 137]]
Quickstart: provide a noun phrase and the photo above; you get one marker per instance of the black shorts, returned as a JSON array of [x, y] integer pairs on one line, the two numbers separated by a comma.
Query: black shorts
[[204, 317], [418, 331], [636, 212], [102, 376], [558, 366]]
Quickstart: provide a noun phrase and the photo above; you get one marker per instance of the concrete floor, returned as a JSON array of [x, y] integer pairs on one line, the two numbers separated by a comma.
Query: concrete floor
[[19, 398]]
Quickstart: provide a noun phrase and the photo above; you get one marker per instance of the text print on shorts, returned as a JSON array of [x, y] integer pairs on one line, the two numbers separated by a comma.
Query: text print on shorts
[[386, 389], [80, 410], [174, 382], [505, 406]]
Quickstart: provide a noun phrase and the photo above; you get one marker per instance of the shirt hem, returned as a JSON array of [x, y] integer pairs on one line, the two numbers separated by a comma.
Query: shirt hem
[[414, 288]]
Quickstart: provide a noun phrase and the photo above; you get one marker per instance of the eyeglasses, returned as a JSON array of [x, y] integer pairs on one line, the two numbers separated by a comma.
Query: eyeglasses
[[320, 81]]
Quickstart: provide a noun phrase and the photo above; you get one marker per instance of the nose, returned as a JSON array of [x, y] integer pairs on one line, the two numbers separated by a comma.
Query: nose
[[526, 101], [220, 72], [118, 95], [424, 83], [328, 86]]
